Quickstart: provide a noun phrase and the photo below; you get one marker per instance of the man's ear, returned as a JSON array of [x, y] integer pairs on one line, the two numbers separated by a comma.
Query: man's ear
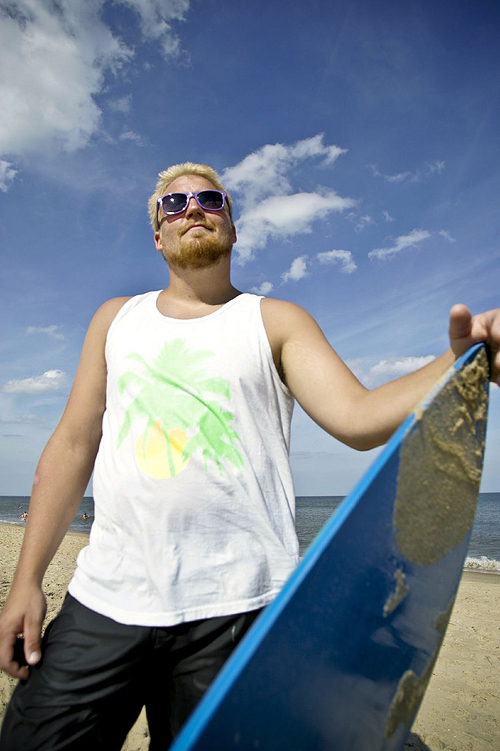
[[158, 245], [234, 233]]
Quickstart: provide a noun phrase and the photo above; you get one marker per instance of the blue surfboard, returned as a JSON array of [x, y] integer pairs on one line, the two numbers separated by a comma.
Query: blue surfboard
[[341, 659]]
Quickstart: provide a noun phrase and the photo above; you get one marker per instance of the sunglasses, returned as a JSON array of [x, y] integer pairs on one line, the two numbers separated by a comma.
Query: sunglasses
[[176, 203]]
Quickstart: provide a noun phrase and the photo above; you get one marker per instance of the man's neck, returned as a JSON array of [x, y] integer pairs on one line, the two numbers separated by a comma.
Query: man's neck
[[192, 293]]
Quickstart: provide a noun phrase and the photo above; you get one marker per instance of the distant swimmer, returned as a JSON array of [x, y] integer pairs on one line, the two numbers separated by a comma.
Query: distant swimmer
[[85, 517], [24, 516]]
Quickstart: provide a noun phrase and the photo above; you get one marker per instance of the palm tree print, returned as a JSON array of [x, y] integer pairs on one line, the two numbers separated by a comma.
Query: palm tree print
[[182, 409]]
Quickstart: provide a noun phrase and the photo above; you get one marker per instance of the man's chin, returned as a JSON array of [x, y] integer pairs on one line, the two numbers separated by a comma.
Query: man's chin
[[199, 257]]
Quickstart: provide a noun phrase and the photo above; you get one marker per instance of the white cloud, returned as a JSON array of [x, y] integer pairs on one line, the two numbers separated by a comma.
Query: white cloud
[[131, 135], [260, 174], [121, 104], [57, 55], [52, 331], [388, 217], [435, 167], [402, 242], [444, 233], [296, 271], [314, 146], [386, 370], [263, 187], [398, 366], [156, 18], [7, 174], [412, 177], [265, 172], [264, 289], [363, 222], [344, 257], [399, 177], [51, 380], [283, 216], [27, 419]]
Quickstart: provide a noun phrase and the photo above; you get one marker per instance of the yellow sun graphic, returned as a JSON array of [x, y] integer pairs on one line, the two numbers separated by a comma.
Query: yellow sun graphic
[[159, 455]]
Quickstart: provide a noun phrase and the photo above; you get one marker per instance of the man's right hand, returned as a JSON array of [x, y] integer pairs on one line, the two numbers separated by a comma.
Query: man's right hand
[[23, 613]]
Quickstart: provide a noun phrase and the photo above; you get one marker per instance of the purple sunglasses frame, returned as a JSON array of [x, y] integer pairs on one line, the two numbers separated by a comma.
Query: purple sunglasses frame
[[188, 198]]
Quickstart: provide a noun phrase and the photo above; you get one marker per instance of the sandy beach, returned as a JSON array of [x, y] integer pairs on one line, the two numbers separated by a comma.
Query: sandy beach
[[461, 709]]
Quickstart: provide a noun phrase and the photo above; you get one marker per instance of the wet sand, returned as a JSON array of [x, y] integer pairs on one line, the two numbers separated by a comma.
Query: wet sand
[[461, 709]]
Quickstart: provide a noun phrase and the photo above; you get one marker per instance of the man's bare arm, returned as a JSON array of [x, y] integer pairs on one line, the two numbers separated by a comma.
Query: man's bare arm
[[334, 398], [61, 477]]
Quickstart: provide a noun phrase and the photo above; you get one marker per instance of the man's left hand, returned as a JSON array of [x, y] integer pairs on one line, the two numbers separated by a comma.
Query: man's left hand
[[467, 330]]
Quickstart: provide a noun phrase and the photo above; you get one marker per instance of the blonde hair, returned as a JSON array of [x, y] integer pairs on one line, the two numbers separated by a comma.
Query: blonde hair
[[177, 170]]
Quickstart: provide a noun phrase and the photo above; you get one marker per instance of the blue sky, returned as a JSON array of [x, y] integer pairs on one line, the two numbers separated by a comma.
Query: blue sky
[[360, 141]]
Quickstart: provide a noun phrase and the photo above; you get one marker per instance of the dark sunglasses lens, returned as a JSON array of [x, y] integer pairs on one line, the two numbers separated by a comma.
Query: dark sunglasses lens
[[174, 202], [211, 200]]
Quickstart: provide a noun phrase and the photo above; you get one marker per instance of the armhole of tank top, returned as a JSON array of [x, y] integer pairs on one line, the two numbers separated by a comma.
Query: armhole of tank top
[[263, 333], [135, 300]]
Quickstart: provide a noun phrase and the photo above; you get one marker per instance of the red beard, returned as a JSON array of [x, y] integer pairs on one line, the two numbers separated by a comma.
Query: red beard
[[200, 251]]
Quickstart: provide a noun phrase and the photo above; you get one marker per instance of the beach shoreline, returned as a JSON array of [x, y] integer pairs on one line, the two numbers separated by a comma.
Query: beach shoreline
[[461, 709]]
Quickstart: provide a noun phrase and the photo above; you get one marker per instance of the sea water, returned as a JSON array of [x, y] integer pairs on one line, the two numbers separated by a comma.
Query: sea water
[[311, 514], [484, 547]]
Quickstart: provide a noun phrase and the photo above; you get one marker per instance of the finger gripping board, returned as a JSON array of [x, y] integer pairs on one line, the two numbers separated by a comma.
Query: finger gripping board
[[341, 659]]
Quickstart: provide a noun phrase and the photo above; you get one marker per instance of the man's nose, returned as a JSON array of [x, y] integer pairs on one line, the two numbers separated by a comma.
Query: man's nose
[[193, 208]]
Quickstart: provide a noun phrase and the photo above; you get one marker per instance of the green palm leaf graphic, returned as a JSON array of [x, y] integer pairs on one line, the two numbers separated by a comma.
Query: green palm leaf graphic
[[174, 392]]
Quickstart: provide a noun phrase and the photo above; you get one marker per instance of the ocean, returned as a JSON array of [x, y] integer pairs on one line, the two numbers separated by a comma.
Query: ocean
[[484, 546], [312, 513]]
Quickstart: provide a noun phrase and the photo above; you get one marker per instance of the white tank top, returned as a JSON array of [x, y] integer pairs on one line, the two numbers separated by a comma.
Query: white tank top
[[194, 500]]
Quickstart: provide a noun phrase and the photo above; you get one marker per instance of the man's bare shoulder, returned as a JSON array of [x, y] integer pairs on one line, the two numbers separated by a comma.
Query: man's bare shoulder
[[282, 314], [285, 323], [107, 312], [110, 308], [275, 308], [100, 323]]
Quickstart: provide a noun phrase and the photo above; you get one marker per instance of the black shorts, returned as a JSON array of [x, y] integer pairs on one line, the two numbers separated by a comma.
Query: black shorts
[[96, 675]]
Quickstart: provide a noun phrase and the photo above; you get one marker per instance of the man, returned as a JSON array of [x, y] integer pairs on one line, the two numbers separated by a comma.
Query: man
[[185, 398]]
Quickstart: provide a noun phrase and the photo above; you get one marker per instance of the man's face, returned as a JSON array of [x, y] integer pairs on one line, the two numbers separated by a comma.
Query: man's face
[[195, 238]]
